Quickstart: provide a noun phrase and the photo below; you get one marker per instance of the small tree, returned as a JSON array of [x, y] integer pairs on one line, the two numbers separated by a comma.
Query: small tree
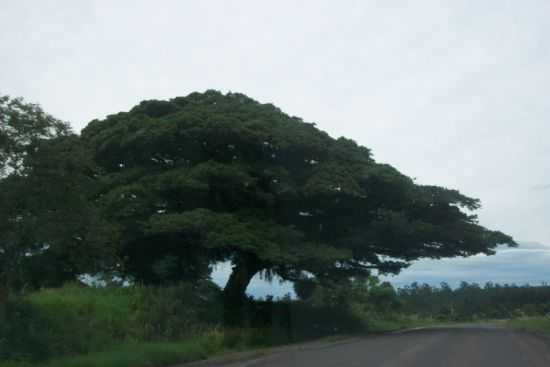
[[49, 231]]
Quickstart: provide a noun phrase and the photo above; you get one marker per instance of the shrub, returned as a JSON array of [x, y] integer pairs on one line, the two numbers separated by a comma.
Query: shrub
[[23, 332]]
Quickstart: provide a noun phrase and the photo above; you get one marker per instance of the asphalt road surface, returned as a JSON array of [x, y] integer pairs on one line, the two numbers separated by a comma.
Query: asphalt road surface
[[468, 346]]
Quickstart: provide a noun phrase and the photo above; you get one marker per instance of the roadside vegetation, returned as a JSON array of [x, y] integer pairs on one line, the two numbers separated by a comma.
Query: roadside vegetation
[[144, 326], [138, 326], [471, 302], [536, 324]]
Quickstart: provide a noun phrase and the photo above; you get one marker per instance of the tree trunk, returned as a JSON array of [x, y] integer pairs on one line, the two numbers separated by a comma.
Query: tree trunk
[[234, 293]]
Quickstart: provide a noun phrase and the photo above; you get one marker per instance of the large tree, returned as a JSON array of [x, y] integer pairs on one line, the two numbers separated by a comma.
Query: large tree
[[49, 230], [210, 177]]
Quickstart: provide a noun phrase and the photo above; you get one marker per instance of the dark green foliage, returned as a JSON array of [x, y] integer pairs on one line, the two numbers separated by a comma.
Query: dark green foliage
[[49, 229], [212, 177], [291, 321], [23, 332], [471, 301], [366, 300]]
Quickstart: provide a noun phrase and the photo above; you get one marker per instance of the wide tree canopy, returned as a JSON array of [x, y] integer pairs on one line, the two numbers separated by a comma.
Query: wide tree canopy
[[211, 177]]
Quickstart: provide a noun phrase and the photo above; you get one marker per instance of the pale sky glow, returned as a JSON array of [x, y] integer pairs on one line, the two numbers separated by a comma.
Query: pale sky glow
[[454, 93]]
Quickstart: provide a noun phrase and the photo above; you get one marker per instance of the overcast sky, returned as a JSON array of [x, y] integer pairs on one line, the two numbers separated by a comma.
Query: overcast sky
[[454, 93]]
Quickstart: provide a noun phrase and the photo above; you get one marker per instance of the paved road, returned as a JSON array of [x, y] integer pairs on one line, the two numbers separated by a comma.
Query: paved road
[[472, 346]]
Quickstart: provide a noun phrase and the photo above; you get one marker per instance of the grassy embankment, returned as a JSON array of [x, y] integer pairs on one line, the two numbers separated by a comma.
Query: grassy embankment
[[139, 326], [147, 354]]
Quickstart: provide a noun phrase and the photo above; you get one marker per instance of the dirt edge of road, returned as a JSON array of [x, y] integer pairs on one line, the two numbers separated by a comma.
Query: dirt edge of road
[[255, 355]]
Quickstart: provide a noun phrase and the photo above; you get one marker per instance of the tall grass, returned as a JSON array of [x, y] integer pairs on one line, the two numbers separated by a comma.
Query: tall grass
[[180, 322], [161, 353], [76, 320], [159, 326]]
